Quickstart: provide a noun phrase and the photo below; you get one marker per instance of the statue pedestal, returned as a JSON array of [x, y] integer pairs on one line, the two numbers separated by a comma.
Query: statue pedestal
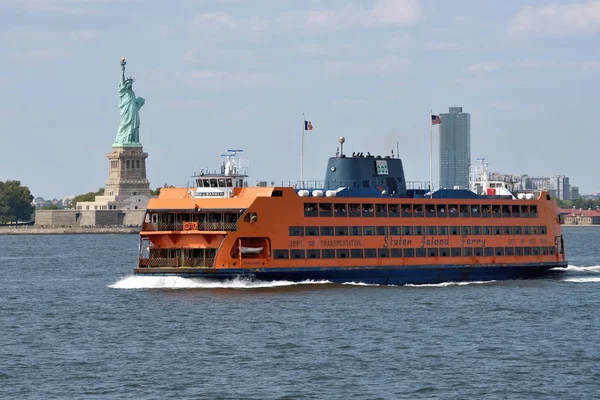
[[127, 173]]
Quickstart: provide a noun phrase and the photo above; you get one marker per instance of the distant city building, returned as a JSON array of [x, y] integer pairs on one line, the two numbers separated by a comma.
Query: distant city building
[[455, 148], [574, 192]]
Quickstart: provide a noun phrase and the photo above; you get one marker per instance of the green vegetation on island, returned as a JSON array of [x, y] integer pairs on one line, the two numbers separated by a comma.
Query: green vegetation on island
[[89, 196], [15, 202], [582, 203]]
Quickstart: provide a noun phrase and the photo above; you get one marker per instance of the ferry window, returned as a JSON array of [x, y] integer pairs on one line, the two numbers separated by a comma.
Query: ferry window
[[276, 193], [485, 210], [382, 230], [467, 252], [454, 230], [367, 210], [281, 254], [527, 251], [296, 231], [526, 230], [465, 230], [418, 210], [213, 183], [312, 231], [432, 252], [441, 210], [313, 254], [487, 230], [368, 230], [406, 210], [381, 210], [518, 251], [407, 230], [536, 251], [497, 230], [327, 253], [339, 210], [478, 251], [464, 210], [206, 182], [475, 210], [517, 230], [442, 230], [544, 250], [249, 217], [444, 252], [430, 210], [394, 210], [432, 230], [543, 230], [240, 183], [356, 253], [508, 230], [535, 230], [409, 253], [297, 254], [310, 209], [506, 211], [370, 253], [327, 231], [342, 253], [394, 230], [419, 230], [533, 211], [396, 253], [341, 231], [551, 250], [221, 182], [515, 211], [356, 231], [325, 209], [499, 251], [488, 251], [354, 210], [383, 253], [525, 211], [496, 211], [475, 230], [230, 184], [455, 251], [420, 252], [509, 251]]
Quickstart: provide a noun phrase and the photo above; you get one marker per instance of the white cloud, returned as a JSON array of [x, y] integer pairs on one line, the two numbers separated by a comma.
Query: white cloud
[[212, 22], [220, 80], [485, 67], [556, 20], [443, 46], [376, 66]]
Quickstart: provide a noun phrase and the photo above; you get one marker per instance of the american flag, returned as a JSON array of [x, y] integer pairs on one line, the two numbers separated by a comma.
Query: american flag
[[435, 120]]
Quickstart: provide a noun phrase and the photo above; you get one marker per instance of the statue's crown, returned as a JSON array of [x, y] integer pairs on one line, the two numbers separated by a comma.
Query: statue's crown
[[130, 79]]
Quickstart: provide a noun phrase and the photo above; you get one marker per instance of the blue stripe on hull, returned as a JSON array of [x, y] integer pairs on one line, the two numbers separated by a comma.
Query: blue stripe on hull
[[380, 275]]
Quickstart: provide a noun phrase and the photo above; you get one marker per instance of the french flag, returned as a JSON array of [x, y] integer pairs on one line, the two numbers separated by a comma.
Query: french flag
[[307, 126]]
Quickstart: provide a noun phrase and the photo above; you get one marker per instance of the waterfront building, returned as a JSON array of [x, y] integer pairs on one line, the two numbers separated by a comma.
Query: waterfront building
[[455, 148]]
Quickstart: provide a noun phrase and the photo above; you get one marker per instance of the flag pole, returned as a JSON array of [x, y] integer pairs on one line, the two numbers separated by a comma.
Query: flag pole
[[302, 151], [430, 152]]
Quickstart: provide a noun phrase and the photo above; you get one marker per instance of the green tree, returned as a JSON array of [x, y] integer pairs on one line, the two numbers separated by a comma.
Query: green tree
[[89, 196], [51, 207], [156, 191], [15, 202]]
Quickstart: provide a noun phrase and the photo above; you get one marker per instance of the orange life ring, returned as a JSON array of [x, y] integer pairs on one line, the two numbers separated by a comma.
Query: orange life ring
[[186, 226], [194, 225]]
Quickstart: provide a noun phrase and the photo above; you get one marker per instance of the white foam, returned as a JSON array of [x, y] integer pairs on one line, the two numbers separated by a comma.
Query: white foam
[[587, 279], [446, 284], [595, 268], [360, 284], [177, 282]]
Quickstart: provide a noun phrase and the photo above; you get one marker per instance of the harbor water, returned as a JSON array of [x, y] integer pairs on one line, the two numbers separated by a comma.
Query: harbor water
[[75, 324]]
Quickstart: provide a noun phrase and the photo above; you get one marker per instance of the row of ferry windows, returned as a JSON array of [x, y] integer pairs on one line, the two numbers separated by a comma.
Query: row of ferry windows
[[418, 210], [414, 252], [414, 230]]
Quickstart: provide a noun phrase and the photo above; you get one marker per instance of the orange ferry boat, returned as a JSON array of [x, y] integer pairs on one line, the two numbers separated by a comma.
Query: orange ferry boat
[[364, 223]]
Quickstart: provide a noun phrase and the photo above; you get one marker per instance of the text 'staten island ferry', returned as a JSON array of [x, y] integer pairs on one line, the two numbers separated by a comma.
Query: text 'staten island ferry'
[[364, 223]]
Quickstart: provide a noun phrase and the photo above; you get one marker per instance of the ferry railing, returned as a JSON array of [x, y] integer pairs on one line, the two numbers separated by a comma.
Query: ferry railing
[[179, 226], [217, 226], [176, 262]]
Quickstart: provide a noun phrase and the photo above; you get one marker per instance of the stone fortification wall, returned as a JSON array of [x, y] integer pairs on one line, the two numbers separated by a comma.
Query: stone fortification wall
[[88, 218], [133, 217], [32, 230]]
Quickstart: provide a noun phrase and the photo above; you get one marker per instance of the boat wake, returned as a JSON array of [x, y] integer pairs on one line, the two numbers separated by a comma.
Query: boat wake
[[577, 274], [177, 282], [446, 284]]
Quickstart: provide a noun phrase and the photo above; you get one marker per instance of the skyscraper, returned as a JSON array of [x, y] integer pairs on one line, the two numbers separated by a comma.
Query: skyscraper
[[455, 148]]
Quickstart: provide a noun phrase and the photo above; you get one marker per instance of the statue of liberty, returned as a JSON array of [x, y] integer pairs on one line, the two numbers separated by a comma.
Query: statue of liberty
[[129, 129]]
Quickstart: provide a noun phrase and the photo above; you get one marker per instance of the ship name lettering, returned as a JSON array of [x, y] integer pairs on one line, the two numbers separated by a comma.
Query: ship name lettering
[[295, 243], [436, 242], [340, 243], [466, 241], [390, 241]]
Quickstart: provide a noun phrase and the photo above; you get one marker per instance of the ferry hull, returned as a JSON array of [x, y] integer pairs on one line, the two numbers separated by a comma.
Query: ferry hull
[[400, 275]]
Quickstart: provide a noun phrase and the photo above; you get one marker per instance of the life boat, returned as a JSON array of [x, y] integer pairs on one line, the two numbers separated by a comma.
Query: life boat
[[251, 250]]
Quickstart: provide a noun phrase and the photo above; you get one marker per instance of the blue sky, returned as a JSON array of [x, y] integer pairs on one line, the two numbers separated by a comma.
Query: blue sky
[[218, 74]]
